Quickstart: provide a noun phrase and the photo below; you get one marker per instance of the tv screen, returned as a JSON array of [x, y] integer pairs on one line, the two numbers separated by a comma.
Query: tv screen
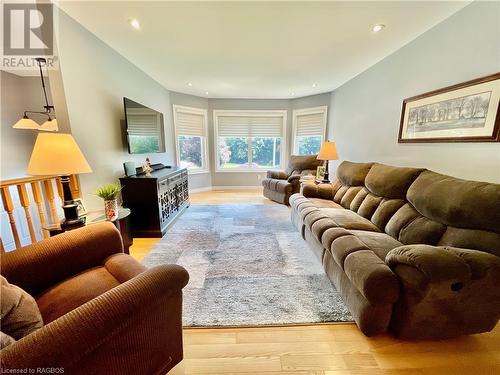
[[145, 132]]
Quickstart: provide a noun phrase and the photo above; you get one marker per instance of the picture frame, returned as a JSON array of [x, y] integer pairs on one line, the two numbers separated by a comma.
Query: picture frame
[[82, 211], [320, 172], [466, 112]]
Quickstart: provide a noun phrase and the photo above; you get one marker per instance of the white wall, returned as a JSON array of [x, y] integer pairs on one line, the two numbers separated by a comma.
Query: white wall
[[365, 112], [96, 78]]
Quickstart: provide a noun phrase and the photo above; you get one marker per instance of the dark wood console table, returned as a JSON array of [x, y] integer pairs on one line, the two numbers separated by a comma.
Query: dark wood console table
[[155, 200]]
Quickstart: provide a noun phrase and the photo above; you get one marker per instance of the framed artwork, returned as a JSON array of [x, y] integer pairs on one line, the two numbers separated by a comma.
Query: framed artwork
[[467, 112], [320, 173], [82, 211]]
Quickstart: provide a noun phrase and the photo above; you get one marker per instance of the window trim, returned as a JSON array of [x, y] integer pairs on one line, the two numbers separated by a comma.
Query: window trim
[[205, 157], [307, 111], [256, 113]]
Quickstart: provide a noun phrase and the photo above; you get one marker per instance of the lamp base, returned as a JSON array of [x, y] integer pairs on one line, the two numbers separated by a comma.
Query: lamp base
[[326, 176], [71, 219]]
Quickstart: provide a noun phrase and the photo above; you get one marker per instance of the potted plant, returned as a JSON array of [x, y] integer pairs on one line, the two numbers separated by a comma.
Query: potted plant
[[109, 193]]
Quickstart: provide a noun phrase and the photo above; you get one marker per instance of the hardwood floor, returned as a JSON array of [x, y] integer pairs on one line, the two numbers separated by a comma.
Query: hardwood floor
[[328, 349], [230, 196]]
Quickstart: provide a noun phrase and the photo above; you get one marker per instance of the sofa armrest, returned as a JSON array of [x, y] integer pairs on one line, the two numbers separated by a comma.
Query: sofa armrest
[[45, 263], [419, 265], [324, 191], [109, 332], [443, 263], [446, 291], [278, 175], [294, 178]]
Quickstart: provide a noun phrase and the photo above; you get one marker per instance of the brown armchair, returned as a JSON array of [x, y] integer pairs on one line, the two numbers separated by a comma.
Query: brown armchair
[[104, 312], [280, 185]]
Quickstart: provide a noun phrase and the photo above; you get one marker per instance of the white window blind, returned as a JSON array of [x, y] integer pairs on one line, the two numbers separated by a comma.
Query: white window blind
[[250, 126], [187, 123], [310, 124]]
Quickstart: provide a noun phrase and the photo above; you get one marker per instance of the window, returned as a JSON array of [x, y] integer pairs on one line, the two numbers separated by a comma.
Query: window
[[249, 140], [309, 127], [191, 138]]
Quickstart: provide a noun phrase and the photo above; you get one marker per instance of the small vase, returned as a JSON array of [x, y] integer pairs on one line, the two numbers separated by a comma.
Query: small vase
[[111, 209]]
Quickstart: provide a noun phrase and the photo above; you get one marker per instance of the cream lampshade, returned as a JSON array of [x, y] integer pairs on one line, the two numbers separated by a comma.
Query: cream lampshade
[[58, 154], [50, 125], [26, 123], [327, 152]]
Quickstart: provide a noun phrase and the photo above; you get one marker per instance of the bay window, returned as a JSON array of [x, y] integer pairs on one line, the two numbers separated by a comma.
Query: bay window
[[249, 140]]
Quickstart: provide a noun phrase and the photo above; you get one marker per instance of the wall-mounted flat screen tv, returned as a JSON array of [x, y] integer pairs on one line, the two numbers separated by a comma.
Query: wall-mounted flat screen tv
[[145, 129]]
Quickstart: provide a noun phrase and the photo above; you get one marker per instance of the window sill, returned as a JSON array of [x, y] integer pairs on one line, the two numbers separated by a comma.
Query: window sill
[[245, 170], [197, 171]]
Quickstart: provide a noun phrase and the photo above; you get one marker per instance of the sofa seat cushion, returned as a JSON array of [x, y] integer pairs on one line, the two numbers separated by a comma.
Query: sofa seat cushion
[[280, 186], [87, 285], [324, 203], [364, 268], [348, 219], [379, 243], [372, 277]]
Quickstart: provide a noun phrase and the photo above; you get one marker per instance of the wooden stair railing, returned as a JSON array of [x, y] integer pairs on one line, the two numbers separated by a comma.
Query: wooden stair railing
[[42, 191]]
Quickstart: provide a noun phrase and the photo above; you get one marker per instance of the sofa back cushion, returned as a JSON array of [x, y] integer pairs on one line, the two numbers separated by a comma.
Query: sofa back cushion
[[417, 206], [469, 210], [375, 191], [390, 182], [298, 163], [353, 174]]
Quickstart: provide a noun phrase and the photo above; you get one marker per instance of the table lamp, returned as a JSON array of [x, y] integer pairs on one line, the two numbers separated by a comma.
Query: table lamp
[[58, 154], [328, 152]]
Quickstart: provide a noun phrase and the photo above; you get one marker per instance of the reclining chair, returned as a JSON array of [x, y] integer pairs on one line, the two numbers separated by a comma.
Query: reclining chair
[[280, 185]]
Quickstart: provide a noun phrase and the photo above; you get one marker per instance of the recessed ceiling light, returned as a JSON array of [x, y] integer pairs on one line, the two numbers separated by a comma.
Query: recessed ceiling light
[[135, 23], [189, 84], [314, 85], [292, 93], [378, 27], [206, 92]]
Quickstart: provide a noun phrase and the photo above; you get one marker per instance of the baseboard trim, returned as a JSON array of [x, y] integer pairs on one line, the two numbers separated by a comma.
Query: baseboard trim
[[230, 187], [200, 190]]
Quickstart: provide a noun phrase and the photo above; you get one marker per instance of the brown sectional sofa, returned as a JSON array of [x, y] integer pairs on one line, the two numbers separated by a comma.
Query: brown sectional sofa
[[280, 185], [410, 250]]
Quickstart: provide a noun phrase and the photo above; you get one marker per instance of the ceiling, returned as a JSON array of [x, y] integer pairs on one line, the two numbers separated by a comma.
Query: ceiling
[[257, 49]]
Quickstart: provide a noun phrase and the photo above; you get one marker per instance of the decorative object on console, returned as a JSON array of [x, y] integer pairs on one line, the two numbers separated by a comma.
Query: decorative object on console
[[51, 124], [328, 152], [466, 112], [109, 193], [146, 167], [59, 154]]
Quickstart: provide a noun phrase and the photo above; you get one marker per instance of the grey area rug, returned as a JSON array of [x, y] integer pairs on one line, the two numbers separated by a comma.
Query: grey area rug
[[248, 266]]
